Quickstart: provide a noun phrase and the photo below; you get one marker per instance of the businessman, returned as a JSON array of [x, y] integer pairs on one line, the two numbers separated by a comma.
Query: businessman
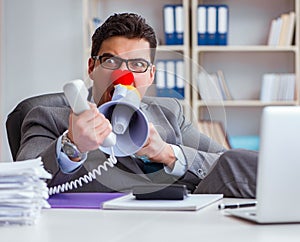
[[175, 151]]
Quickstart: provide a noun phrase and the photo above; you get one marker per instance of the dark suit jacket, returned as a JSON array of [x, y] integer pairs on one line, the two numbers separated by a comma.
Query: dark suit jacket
[[43, 125]]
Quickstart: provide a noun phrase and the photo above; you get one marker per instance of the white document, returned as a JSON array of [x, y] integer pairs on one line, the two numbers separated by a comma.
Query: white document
[[192, 202]]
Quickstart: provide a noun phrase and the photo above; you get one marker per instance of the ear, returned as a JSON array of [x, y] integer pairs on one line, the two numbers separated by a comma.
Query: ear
[[91, 66], [152, 74]]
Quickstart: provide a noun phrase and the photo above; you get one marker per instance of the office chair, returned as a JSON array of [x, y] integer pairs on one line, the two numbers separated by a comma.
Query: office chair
[[15, 118]]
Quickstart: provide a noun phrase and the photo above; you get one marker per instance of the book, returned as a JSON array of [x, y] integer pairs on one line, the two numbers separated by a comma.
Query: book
[[192, 202], [276, 33], [223, 86], [209, 87], [290, 29], [214, 130], [249, 142], [278, 87], [272, 41], [282, 30]]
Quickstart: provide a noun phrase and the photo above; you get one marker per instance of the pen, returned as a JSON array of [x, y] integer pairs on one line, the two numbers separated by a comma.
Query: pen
[[236, 205]]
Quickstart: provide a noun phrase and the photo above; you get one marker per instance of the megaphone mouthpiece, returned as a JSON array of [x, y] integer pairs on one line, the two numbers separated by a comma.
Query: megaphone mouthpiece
[[129, 123]]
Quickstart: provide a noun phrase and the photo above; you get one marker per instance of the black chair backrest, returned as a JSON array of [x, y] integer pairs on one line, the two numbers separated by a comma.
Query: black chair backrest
[[15, 118]]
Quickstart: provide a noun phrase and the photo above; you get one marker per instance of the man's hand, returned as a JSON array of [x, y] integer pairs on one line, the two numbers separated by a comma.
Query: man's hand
[[156, 149], [89, 129]]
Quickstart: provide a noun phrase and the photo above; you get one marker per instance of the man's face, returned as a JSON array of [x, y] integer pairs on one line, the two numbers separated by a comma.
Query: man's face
[[126, 49]]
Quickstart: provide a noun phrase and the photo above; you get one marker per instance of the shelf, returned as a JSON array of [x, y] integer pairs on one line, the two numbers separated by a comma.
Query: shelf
[[246, 48], [245, 103], [247, 57], [171, 48]]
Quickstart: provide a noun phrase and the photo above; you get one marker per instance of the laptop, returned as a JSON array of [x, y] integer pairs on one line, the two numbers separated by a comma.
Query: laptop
[[278, 185]]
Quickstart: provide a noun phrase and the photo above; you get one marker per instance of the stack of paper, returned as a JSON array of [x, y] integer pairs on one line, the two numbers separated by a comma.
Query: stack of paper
[[23, 191]]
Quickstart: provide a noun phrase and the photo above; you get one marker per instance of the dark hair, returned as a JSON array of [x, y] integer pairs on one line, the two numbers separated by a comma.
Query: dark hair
[[129, 25]]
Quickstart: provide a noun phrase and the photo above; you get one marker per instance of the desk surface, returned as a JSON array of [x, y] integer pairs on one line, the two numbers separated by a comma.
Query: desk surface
[[207, 224]]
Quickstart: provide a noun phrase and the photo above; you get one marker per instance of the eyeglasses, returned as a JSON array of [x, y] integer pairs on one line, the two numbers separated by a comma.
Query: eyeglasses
[[112, 62]]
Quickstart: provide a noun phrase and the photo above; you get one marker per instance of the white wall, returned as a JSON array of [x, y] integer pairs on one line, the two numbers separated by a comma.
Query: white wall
[[41, 50]]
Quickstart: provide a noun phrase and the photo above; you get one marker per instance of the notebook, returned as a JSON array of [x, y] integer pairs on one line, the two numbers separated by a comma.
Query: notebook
[[192, 202], [278, 186]]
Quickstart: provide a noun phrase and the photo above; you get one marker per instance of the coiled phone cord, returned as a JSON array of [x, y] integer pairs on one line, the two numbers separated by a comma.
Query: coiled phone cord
[[111, 161]]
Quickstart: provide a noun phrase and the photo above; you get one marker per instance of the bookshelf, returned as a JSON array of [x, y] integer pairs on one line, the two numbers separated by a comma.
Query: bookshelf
[[244, 60], [153, 13]]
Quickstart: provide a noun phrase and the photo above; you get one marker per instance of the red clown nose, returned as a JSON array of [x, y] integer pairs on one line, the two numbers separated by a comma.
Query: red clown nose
[[123, 77]]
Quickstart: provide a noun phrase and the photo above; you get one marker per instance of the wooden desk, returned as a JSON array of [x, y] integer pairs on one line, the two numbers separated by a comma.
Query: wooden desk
[[208, 224]]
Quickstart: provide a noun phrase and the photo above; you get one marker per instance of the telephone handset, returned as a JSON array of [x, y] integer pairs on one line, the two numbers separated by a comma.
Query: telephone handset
[[76, 94]]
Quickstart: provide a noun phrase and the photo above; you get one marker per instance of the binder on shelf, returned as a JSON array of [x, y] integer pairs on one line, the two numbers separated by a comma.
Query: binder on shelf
[[180, 77], [170, 78], [222, 26], [202, 24], [169, 24], [179, 24], [160, 78], [211, 24]]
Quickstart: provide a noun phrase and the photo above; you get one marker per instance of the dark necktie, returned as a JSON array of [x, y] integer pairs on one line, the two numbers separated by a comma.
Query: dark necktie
[[148, 166]]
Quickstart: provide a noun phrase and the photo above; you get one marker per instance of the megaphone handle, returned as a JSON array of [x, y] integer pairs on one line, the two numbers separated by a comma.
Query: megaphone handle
[[76, 94]]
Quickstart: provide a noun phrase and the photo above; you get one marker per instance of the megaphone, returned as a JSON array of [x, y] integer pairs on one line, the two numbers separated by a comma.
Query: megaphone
[[129, 123]]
